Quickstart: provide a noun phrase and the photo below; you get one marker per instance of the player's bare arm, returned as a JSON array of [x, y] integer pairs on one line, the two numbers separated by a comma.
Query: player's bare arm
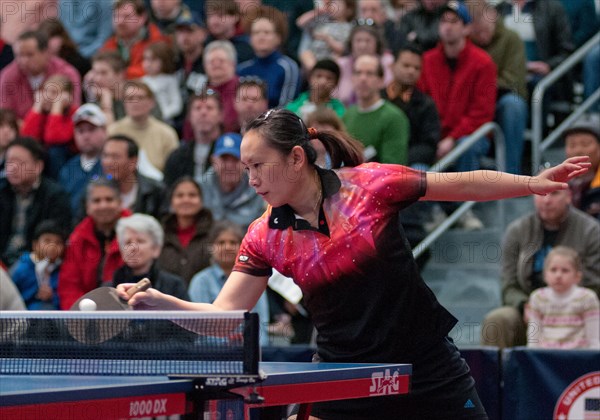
[[240, 292], [493, 185]]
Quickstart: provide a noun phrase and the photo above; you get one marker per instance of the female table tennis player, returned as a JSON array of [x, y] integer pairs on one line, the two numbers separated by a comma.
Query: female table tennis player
[[336, 233]]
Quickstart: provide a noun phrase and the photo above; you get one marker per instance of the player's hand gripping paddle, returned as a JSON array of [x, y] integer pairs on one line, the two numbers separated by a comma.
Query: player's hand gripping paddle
[[107, 298], [94, 331]]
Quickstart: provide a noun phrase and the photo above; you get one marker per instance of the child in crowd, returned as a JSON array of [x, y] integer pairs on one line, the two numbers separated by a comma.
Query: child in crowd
[[159, 68], [322, 82], [563, 315], [36, 272], [50, 121], [326, 31], [225, 239]]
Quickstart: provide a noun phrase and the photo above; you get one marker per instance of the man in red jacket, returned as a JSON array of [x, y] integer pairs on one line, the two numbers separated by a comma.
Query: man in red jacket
[[92, 255], [461, 79], [32, 66]]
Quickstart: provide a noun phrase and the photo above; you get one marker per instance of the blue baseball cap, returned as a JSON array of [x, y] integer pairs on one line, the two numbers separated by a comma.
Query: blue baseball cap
[[458, 8], [228, 144]]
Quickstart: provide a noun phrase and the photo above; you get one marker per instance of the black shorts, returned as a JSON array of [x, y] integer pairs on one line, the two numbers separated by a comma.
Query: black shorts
[[441, 388]]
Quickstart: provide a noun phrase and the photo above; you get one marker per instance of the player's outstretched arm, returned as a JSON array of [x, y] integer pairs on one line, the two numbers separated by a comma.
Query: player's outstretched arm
[[240, 292], [493, 185]]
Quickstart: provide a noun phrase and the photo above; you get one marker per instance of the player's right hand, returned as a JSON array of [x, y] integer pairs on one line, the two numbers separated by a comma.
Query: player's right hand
[[148, 299]]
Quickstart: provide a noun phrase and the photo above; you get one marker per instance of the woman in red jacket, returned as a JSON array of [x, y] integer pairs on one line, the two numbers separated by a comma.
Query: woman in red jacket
[[50, 121], [92, 254]]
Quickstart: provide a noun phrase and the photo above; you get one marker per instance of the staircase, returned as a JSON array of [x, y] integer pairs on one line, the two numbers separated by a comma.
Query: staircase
[[464, 268]]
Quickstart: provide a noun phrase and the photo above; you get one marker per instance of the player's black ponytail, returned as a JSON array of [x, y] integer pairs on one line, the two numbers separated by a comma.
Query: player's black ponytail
[[283, 130]]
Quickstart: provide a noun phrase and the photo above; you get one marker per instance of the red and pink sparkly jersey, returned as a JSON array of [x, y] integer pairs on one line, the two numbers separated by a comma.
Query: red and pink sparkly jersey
[[356, 270]]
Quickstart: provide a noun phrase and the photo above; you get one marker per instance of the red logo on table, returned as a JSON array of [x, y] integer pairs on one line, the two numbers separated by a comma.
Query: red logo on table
[[384, 383], [581, 399]]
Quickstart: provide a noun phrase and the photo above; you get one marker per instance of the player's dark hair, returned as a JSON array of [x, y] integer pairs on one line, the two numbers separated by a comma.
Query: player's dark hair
[[282, 130]]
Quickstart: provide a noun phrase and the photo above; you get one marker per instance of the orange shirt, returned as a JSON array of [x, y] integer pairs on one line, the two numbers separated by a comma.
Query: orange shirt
[[134, 67]]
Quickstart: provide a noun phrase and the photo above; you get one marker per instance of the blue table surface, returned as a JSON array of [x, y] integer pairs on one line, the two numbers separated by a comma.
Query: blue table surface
[[31, 389]]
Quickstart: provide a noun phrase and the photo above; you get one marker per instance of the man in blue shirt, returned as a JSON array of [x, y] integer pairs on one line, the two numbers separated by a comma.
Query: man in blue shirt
[[90, 135]]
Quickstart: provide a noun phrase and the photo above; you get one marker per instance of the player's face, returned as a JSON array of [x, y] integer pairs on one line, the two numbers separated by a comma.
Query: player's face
[[138, 250], [560, 273], [186, 200], [270, 173], [225, 248]]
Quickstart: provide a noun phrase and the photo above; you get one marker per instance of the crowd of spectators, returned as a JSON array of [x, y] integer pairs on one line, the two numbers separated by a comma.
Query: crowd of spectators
[[109, 109]]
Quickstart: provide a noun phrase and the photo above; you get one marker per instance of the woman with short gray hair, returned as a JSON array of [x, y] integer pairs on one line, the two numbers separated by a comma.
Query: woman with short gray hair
[[140, 239]]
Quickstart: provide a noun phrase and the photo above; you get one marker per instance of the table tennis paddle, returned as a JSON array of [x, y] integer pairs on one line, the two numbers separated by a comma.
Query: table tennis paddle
[[95, 331]]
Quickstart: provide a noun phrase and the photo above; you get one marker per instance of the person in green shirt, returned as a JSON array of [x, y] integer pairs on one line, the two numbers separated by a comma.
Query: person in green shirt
[[382, 127], [322, 81]]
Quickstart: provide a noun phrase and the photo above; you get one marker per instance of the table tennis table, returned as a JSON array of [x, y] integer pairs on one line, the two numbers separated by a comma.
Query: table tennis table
[[116, 397]]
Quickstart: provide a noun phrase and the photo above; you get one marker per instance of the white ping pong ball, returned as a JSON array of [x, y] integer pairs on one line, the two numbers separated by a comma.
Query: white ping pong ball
[[87, 305]]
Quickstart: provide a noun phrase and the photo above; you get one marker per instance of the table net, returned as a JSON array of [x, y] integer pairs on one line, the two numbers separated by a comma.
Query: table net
[[129, 343]]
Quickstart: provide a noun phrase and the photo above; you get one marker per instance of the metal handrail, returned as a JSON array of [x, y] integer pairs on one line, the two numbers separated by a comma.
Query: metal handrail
[[538, 96], [581, 109], [449, 159]]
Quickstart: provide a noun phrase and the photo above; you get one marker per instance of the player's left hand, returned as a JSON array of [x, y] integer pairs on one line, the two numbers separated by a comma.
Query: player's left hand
[[556, 178]]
